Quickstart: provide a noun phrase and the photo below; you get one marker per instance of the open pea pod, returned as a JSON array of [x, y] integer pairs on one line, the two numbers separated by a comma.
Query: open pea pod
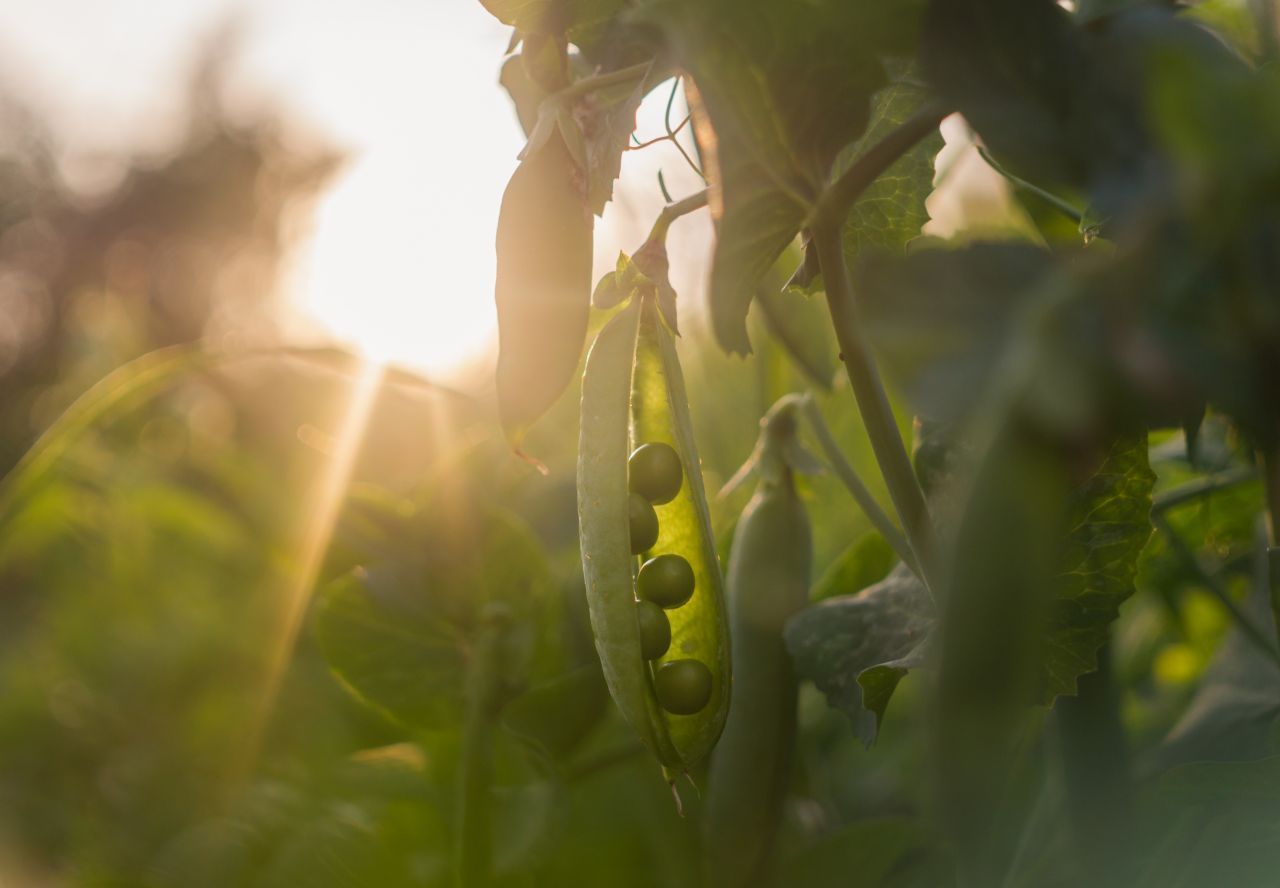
[[633, 393]]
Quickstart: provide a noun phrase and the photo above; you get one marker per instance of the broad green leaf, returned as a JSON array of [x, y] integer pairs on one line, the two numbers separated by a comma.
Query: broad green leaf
[[543, 287], [891, 212], [1020, 74], [759, 70], [1109, 524], [398, 634], [855, 647]]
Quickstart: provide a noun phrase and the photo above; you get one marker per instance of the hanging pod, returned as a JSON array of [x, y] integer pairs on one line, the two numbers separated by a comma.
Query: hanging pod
[[633, 395], [769, 574]]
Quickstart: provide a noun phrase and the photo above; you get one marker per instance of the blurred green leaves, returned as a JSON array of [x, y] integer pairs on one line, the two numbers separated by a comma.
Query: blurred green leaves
[[400, 633], [769, 138]]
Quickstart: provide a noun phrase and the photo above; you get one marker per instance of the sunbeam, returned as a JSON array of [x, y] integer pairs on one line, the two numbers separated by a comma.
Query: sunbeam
[[319, 516]]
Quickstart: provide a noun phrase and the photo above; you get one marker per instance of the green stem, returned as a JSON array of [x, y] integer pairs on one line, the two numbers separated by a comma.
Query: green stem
[[1052, 199], [1201, 487], [838, 199], [849, 477], [473, 850], [602, 81], [873, 403], [673, 211], [1214, 584], [1270, 460]]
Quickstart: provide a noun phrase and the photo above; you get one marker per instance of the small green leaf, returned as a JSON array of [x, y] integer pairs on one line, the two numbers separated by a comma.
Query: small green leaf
[[856, 647], [608, 118]]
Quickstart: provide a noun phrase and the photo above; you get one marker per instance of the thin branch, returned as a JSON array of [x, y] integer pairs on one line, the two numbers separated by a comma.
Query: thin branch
[[1201, 487], [673, 211], [838, 199], [849, 477], [669, 137], [689, 160], [873, 402], [1052, 199], [601, 81], [1214, 584], [671, 98], [1270, 460]]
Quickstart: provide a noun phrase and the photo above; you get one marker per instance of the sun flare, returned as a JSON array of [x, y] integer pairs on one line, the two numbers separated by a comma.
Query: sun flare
[[378, 279]]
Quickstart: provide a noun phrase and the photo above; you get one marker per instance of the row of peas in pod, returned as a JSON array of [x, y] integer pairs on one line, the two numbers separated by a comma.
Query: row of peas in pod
[[664, 582], [636, 450]]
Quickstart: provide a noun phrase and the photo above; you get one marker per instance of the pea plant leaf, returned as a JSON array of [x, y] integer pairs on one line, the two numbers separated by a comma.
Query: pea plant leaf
[[767, 139], [1110, 523], [543, 287], [856, 648], [607, 118], [398, 632], [891, 212]]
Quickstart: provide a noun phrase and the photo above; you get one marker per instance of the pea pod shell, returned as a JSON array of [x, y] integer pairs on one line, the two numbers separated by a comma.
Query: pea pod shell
[[700, 627], [633, 379], [768, 581], [604, 531]]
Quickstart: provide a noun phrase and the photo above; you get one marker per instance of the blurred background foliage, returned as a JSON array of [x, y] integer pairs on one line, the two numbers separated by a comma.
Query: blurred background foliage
[[176, 710]]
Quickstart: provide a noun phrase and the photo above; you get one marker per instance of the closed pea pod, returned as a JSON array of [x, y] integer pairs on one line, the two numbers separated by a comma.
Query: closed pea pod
[[632, 394], [768, 582]]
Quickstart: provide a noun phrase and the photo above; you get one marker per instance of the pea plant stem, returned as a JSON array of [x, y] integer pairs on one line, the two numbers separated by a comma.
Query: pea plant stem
[[873, 402], [840, 196], [849, 477], [603, 81], [474, 842], [1270, 460], [1214, 584], [673, 211], [1202, 487]]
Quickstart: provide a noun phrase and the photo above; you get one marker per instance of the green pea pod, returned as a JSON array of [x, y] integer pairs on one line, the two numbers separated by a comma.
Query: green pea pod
[[768, 582], [633, 385]]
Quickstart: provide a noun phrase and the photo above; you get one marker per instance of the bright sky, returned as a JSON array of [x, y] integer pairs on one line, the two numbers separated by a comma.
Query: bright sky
[[401, 262]]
